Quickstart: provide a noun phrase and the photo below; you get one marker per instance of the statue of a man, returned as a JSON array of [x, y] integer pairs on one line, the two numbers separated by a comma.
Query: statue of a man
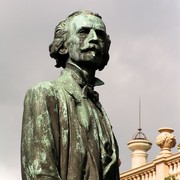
[[66, 134]]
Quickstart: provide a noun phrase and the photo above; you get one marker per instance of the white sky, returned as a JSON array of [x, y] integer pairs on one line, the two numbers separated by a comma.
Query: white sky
[[144, 61]]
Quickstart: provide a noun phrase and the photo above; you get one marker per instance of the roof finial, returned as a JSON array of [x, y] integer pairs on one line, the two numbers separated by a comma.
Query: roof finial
[[139, 145]]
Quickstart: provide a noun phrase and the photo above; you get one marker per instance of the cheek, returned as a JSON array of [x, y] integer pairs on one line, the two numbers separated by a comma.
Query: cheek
[[73, 46], [105, 45], [102, 45], [74, 43], [81, 41]]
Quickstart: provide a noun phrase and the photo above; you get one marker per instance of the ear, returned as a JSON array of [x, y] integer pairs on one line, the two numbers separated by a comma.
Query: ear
[[63, 50]]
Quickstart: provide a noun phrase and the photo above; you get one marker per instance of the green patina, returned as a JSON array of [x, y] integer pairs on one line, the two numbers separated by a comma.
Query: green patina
[[66, 134]]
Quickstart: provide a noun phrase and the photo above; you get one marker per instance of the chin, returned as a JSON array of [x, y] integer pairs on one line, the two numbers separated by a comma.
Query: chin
[[89, 63]]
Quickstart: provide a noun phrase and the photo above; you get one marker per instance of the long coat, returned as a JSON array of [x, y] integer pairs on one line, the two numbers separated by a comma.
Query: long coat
[[65, 135]]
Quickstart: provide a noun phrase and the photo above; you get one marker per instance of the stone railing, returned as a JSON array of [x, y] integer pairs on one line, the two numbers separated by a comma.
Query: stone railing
[[145, 172], [158, 169], [173, 163]]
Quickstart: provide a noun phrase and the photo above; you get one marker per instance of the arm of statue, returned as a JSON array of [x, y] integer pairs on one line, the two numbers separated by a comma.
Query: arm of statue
[[38, 150]]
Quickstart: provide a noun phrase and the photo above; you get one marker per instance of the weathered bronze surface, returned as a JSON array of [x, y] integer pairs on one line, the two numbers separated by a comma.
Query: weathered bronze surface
[[66, 133]]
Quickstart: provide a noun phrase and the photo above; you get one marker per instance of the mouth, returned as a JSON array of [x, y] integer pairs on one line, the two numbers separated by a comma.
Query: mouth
[[93, 52], [91, 48]]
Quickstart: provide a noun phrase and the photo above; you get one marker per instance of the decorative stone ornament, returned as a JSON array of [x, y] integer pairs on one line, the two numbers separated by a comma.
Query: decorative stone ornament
[[179, 147], [166, 140]]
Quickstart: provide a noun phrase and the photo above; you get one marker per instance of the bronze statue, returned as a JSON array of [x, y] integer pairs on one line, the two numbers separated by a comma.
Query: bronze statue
[[66, 134]]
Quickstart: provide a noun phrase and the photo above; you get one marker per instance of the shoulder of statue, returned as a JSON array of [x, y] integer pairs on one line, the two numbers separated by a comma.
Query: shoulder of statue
[[41, 89]]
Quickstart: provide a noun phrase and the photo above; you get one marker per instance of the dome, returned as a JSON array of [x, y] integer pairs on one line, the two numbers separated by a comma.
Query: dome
[[139, 135]]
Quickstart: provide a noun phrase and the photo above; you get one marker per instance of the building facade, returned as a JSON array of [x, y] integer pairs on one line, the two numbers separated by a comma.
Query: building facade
[[166, 165]]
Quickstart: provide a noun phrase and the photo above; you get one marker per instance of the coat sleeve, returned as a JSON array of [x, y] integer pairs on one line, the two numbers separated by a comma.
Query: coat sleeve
[[38, 149]]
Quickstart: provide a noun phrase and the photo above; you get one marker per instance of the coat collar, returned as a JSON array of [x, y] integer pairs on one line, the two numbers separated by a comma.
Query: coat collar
[[73, 83], [78, 76]]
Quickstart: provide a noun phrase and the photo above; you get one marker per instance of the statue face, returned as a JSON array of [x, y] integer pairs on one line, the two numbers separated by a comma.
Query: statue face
[[86, 40]]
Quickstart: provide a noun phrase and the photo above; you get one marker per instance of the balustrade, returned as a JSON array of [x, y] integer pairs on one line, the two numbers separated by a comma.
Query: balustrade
[[148, 171], [174, 168]]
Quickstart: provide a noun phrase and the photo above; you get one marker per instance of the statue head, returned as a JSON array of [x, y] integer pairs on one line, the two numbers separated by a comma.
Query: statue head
[[82, 39]]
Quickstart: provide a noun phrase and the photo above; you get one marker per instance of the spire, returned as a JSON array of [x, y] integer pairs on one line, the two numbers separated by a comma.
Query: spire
[[139, 114], [139, 145], [139, 134]]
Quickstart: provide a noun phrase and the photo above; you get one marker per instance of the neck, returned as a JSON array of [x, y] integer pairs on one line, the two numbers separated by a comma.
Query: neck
[[86, 73]]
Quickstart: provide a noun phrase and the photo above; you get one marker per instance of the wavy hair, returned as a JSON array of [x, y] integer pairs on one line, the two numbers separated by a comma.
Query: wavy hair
[[60, 37]]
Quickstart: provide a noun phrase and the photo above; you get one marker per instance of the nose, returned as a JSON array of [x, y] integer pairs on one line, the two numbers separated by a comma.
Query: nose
[[92, 37]]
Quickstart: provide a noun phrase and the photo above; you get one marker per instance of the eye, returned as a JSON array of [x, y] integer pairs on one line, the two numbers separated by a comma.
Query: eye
[[84, 31], [101, 34]]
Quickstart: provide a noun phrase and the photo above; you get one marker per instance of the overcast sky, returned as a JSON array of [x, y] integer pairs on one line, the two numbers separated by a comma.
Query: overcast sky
[[144, 62]]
